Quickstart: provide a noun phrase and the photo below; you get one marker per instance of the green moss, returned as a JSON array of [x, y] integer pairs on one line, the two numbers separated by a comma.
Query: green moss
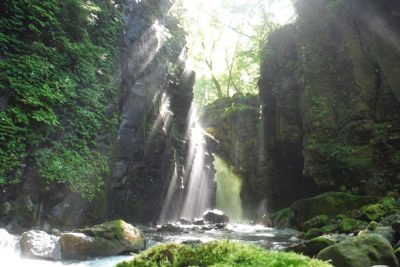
[[373, 225], [330, 228], [218, 253], [282, 218], [351, 225], [313, 233], [316, 222], [56, 69], [108, 230], [374, 212], [330, 204]]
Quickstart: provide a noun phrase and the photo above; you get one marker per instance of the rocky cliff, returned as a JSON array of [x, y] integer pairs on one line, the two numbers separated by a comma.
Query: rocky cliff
[[94, 106], [156, 95], [330, 87]]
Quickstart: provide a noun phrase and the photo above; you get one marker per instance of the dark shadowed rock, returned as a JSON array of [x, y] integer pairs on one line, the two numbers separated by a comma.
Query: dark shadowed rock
[[215, 216]]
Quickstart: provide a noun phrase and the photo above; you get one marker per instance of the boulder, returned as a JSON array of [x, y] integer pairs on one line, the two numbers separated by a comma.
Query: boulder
[[313, 233], [396, 227], [331, 204], [170, 227], [215, 216], [107, 239], [373, 212], [387, 232], [282, 219], [39, 244], [397, 253], [348, 226], [363, 250], [316, 222], [312, 247]]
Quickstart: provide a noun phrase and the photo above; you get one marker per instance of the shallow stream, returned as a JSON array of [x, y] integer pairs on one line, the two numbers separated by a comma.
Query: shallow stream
[[268, 238]]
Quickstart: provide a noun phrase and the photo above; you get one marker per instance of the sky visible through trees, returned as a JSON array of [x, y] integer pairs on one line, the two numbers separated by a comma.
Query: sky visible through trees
[[225, 40]]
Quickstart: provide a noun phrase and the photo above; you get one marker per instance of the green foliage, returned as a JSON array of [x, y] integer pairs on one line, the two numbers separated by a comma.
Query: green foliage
[[218, 253], [338, 157], [78, 167], [56, 67]]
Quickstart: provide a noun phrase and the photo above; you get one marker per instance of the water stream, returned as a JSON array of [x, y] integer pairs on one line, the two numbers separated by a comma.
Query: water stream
[[268, 238]]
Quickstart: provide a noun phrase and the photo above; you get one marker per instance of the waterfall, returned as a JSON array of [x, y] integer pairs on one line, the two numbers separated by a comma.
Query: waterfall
[[190, 194], [228, 190], [199, 190]]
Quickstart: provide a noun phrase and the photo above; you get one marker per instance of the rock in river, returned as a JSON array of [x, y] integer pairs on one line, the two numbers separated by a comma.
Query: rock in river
[[107, 239], [215, 216], [39, 244]]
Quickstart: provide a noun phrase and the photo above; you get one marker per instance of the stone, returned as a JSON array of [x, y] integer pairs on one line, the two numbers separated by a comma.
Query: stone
[[330, 204], [169, 227], [215, 216], [373, 225], [184, 221], [316, 222], [312, 247], [107, 239], [396, 227], [397, 253], [312, 233], [360, 251], [351, 226], [387, 232], [39, 244], [373, 212], [330, 228], [198, 221], [282, 219]]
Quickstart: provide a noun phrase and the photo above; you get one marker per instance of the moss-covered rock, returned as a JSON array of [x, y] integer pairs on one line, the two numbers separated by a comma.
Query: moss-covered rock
[[372, 225], [331, 204], [107, 239], [316, 222], [218, 253], [282, 218], [349, 225], [374, 212], [397, 253], [330, 228], [312, 247], [361, 251], [313, 233]]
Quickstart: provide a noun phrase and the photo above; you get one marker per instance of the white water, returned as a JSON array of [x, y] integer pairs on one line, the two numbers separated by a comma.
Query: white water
[[195, 183], [198, 195], [10, 256]]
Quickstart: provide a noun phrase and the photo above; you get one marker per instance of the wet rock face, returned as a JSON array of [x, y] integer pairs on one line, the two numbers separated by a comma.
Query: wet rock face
[[154, 106], [39, 244], [330, 88]]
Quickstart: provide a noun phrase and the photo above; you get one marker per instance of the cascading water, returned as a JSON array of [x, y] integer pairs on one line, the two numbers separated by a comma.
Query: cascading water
[[199, 191], [228, 190], [191, 194], [10, 256]]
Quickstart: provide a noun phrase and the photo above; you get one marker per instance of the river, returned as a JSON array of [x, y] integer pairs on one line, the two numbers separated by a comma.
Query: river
[[259, 235]]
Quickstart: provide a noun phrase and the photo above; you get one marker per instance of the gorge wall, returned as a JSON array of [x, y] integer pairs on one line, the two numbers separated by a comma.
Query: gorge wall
[[330, 88], [94, 107]]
